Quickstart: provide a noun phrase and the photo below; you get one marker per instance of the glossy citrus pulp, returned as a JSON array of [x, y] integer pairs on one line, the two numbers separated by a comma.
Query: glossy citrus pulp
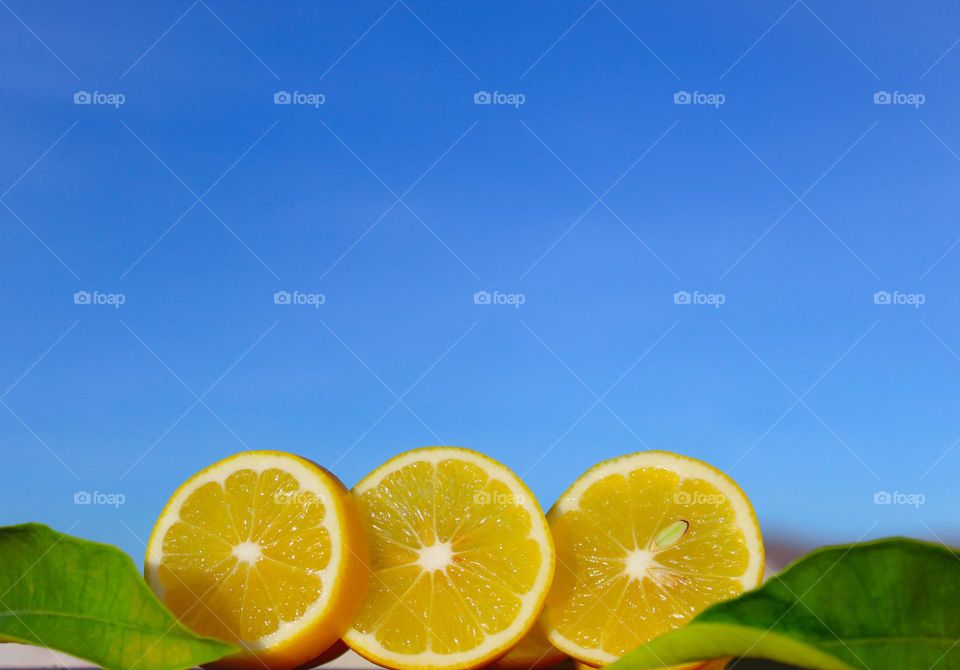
[[461, 556], [645, 542], [264, 550]]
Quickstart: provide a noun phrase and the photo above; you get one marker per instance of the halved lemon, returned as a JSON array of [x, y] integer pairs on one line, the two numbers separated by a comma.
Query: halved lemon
[[533, 652], [265, 550], [461, 556], [644, 543]]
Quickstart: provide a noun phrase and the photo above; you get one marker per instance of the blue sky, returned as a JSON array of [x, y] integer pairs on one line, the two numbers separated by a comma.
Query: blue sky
[[783, 191]]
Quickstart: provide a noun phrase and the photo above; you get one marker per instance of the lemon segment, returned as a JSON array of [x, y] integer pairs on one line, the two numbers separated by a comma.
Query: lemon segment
[[265, 550], [644, 543], [461, 556]]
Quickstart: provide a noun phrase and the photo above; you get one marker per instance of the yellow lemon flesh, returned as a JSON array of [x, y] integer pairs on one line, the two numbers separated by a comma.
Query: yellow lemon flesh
[[644, 543], [461, 557], [265, 550]]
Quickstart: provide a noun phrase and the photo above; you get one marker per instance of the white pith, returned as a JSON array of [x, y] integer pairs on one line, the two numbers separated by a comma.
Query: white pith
[[638, 564], [437, 556], [247, 551]]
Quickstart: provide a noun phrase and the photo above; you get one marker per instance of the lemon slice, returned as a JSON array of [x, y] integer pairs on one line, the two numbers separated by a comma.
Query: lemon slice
[[265, 550], [461, 556], [645, 542], [533, 652]]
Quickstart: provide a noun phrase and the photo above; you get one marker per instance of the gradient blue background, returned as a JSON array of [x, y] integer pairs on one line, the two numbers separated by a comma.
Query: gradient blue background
[[103, 399]]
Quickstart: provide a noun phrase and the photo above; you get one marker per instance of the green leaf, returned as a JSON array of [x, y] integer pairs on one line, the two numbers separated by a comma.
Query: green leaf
[[89, 600], [892, 604]]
